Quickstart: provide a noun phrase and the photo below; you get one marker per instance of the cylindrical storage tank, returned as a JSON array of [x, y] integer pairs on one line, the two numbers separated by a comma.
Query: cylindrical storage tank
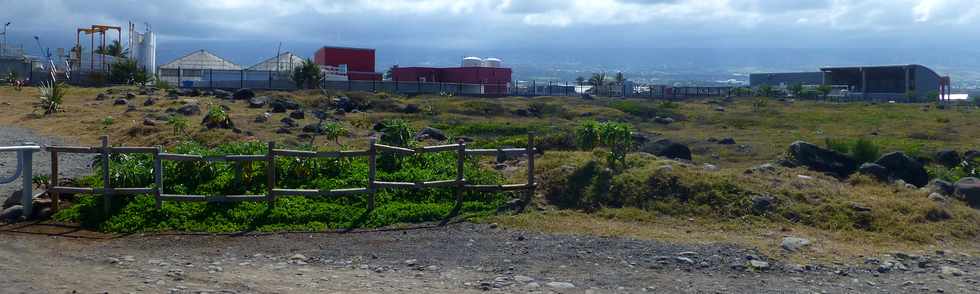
[[492, 62], [149, 53], [472, 62]]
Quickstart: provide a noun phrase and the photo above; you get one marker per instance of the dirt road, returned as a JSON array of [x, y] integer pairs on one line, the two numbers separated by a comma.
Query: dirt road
[[453, 259]]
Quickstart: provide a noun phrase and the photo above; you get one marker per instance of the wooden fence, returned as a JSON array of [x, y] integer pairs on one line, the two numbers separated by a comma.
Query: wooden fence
[[459, 183]]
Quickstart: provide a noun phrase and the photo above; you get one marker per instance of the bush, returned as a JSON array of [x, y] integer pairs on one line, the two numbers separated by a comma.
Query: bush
[[617, 137], [865, 150], [126, 71], [482, 107], [307, 76], [135, 214], [52, 95], [841, 146]]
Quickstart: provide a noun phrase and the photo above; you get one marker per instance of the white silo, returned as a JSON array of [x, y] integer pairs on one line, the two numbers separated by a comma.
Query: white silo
[[472, 62], [492, 62], [145, 51]]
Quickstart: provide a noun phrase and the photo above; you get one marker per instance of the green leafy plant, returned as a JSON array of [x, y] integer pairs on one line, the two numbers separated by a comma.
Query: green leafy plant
[[107, 121], [307, 75], [51, 98], [841, 146], [615, 136], [178, 123], [760, 103], [217, 117], [865, 150], [397, 132], [126, 71]]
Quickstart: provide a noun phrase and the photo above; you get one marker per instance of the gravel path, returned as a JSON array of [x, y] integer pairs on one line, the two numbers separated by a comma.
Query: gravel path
[[71, 165], [459, 258]]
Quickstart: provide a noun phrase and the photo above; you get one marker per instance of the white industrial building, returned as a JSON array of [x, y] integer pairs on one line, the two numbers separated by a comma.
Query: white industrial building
[[285, 62]]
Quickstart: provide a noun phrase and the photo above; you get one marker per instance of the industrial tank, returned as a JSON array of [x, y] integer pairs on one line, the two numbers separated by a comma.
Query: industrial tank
[[472, 62], [492, 62]]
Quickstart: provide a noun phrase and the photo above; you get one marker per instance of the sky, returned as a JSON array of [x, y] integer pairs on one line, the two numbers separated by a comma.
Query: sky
[[427, 32]]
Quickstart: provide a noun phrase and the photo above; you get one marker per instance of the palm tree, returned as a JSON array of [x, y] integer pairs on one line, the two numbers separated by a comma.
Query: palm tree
[[580, 80], [597, 80], [114, 49]]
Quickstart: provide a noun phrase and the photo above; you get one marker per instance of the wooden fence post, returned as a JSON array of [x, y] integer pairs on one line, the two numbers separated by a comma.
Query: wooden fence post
[[270, 170], [529, 193], [372, 165], [106, 187], [460, 176], [53, 181], [158, 176]]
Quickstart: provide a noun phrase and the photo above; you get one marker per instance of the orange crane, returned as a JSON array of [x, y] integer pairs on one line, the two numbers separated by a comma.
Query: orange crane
[[95, 29]]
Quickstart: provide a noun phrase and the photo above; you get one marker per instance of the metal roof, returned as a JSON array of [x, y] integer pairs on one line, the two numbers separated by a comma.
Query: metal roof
[[867, 66], [201, 59], [284, 62]]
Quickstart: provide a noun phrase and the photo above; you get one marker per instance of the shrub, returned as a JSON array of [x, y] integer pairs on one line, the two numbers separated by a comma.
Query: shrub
[[482, 107], [760, 103], [50, 100], [307, 76], [865, 150], [397, 132], [617, 137], [178, 123], [841, 146], [134, 214], [126, 71]]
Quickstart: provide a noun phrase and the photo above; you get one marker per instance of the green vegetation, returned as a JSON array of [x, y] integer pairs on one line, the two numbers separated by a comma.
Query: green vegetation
[[862, 150], [645, 109], [617, 137], [126, 71], [178, 124], [51, 98], [308, 75], [734, 197], [136, 214]]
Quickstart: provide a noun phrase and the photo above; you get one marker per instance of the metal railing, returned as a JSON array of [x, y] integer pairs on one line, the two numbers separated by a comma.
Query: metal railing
[[459, 184], [25, 155]]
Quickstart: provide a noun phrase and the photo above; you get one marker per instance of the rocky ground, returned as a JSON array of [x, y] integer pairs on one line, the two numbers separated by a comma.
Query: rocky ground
[[70, 165], [464, 257]]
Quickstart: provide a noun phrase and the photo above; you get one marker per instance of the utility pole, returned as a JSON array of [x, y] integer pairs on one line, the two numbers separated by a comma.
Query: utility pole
[[3, 47]]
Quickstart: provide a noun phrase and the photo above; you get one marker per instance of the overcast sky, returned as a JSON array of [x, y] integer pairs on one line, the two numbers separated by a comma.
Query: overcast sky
[[257, 26]]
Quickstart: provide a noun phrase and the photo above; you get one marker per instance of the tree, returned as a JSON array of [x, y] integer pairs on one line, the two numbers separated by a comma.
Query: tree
[[390, 73], [126, 71], [796, 90], [308, 75], [597, 80], [580, 80], [765, 91], [824, 91], [114, 49]]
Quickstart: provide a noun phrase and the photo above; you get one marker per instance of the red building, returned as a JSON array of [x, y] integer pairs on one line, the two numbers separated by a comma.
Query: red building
[[495, 80], [359, 62]]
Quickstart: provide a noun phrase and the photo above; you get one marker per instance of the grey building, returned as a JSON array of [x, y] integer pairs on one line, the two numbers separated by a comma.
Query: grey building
[[877, 82]]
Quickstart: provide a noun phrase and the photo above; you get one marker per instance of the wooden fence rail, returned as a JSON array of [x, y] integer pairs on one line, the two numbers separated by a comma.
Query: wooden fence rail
[[458, 184]]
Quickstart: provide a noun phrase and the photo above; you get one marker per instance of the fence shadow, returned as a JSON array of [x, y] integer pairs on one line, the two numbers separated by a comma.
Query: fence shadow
[[46, 228]]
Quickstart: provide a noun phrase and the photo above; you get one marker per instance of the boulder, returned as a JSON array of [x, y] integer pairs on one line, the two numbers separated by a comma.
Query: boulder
[[258, 102], [120, 101], [663, 120], [820, 159], [289, 122], [901, 166], [639, 139], [149, 122], [948, 158], [262, 118], [243, 94], [313, 128], [431, 133], [971, 155], [12, 213], [283, 130], [763, 204], [942, 187], [794, 244], [874, 170], [968, 189], [189, 109], [720, 109], [130, 95], [297, 114], [150, 101], [281, 104], [101, 96], [222, 94], [411, 108], [727, 141], [667, 148]]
